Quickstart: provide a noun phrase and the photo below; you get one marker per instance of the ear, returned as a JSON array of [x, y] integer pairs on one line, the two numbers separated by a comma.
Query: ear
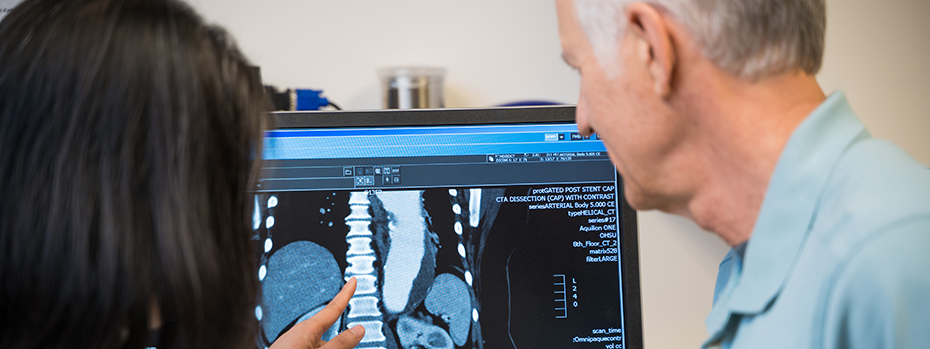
[[654, 48]]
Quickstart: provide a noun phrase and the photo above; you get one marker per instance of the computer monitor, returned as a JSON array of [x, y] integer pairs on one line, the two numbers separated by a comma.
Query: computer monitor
[[471, 228]]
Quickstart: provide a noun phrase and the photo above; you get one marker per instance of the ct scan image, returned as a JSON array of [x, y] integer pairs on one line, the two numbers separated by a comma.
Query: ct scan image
[[437, 268]]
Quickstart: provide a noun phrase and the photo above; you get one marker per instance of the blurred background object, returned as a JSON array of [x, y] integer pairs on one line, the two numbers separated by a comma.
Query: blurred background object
[[412, 87], [295, 99]]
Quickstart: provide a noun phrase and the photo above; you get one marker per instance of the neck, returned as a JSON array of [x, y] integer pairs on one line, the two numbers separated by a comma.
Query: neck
[[742, 134]]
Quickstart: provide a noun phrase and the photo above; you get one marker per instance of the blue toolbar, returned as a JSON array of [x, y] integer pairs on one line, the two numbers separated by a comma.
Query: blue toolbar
[[426, 141]]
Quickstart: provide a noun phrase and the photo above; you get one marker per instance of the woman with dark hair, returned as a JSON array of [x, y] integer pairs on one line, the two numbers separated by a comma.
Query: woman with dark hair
[[128, 138]]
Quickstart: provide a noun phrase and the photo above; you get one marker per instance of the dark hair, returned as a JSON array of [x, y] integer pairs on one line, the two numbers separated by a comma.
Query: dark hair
[[128, 135]]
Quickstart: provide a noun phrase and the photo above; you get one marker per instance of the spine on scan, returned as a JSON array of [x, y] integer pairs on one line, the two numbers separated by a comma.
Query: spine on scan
[[363, 307]]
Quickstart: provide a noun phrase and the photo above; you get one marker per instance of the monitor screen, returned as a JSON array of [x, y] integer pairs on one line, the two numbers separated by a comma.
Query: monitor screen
[[498, 233]]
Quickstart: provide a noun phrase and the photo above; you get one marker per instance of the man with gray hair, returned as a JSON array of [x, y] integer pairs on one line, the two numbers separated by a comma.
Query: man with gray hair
[[710, 110]]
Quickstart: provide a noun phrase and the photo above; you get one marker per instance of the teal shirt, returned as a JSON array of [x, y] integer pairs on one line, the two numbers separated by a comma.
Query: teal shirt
[[840, 253]]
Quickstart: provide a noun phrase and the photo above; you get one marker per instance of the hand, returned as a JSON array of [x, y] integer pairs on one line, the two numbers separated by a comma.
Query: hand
[[308, 333]]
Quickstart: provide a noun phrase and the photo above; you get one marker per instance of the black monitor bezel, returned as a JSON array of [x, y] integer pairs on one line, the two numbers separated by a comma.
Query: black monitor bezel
[[629, 242]]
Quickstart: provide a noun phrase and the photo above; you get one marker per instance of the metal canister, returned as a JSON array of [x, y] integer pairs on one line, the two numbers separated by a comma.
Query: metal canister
[[412, 87]]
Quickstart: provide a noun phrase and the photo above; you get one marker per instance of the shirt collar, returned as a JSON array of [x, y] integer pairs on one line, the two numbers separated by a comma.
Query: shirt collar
[[789, 208]]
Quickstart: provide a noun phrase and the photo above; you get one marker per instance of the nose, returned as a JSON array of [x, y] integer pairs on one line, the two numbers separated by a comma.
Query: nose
[[581, 116]]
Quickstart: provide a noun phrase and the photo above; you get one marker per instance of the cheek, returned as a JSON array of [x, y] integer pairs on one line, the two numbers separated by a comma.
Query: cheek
[[635, 130], [595, 104], [637, 121], [609, 112]]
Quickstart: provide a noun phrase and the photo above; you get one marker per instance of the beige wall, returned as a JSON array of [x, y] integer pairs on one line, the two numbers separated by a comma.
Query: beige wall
[[878, 52]]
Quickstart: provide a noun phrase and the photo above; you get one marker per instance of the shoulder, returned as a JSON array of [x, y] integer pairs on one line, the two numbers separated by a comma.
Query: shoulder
[[878, 170], [879, 295], [874, 186], [874, 219]]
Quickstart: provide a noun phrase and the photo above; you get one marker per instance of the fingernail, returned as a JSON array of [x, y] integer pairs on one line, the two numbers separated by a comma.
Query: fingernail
[[358, 330]]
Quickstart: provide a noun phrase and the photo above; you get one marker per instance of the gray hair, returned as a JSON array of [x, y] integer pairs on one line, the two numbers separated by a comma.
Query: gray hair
[[750, 39]]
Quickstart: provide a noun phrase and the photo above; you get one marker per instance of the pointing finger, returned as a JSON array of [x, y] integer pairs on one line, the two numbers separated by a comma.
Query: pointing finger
[[323, 320], [347, 339]]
